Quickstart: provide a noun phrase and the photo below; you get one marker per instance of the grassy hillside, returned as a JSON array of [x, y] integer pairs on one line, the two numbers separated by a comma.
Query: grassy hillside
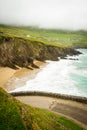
[[16, 49], [53, 37], [17, 116]]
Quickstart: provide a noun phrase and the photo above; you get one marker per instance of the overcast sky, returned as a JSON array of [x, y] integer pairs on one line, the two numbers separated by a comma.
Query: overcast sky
[[62, 14]]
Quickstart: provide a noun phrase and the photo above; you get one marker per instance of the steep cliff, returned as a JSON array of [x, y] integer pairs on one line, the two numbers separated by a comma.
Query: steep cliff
[[21, 52]]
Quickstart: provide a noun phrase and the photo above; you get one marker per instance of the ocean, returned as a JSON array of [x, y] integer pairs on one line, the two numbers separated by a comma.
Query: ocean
[[65, 76]]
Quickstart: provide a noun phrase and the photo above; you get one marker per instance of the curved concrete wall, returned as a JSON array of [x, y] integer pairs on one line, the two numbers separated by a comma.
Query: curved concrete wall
[[49, 94]]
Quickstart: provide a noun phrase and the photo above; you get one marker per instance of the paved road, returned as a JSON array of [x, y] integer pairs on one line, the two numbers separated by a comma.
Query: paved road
[[78, 114], [74, 110]]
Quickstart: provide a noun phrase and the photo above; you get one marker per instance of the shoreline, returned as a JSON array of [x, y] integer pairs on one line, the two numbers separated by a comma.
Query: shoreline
[[58, 105], [9, 77], [22, 75], [5, 74]]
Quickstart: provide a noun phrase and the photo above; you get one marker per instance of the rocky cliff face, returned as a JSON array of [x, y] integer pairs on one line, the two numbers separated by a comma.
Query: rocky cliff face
[[20, 52]]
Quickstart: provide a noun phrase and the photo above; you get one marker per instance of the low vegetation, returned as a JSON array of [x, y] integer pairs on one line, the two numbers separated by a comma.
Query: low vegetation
[[19, 46], [16, 49], [48, 36], [17, 116]]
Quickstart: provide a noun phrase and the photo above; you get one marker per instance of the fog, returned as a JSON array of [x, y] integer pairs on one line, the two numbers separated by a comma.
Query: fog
[[61, 14]]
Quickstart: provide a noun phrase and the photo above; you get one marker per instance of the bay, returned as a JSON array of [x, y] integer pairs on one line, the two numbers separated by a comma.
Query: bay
[[65, 76]]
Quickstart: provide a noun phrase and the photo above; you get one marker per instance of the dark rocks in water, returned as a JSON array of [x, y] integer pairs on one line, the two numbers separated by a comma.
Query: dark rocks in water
[[73, 59], [20, 52], [63, 58], [1, 32]]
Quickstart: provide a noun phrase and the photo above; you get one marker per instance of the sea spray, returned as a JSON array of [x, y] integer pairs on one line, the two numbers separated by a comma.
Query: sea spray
[[61, 77]]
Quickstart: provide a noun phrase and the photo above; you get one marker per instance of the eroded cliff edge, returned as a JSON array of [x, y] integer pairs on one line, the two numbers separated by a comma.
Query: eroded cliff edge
[[21, 52]]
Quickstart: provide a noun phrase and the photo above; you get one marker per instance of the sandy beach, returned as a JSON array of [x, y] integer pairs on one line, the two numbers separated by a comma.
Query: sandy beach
[[5, 74], [11, 79]]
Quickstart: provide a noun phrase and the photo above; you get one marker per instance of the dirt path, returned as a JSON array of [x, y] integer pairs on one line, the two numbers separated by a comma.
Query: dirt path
[[73, 110]]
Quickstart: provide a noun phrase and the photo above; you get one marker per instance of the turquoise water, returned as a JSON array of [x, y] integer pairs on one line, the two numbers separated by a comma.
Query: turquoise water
[[79, 74], [64, 76]]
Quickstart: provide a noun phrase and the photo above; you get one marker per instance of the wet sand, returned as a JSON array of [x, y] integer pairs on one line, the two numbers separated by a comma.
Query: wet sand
[[5, 74], [11, 79], [73, 110]]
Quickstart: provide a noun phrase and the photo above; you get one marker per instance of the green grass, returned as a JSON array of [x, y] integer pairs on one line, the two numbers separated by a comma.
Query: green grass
[[10, 118], [17, 116], [53, 37]]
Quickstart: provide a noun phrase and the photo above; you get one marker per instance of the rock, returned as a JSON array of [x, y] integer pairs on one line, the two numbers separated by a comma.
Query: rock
[[20, 52]]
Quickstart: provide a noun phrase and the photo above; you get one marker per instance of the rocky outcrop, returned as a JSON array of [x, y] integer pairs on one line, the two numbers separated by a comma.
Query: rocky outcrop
[[21, 52]]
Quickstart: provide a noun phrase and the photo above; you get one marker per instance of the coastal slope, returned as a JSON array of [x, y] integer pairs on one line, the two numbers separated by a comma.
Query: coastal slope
[[16, 115], [22, 52]]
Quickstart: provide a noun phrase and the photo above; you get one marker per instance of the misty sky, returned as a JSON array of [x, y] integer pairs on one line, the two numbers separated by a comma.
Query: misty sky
[[61, 14]]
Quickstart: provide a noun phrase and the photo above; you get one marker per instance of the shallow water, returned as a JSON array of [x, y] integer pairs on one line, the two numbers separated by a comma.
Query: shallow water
[[64, 76]]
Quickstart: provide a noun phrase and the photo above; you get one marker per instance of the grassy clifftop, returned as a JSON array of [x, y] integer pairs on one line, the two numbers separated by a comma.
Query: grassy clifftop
[[20, 46], [18, 51], [17, 116], [48, 36]]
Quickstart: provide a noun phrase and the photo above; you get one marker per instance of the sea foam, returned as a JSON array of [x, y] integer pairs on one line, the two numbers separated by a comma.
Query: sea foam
[[56, 77]]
